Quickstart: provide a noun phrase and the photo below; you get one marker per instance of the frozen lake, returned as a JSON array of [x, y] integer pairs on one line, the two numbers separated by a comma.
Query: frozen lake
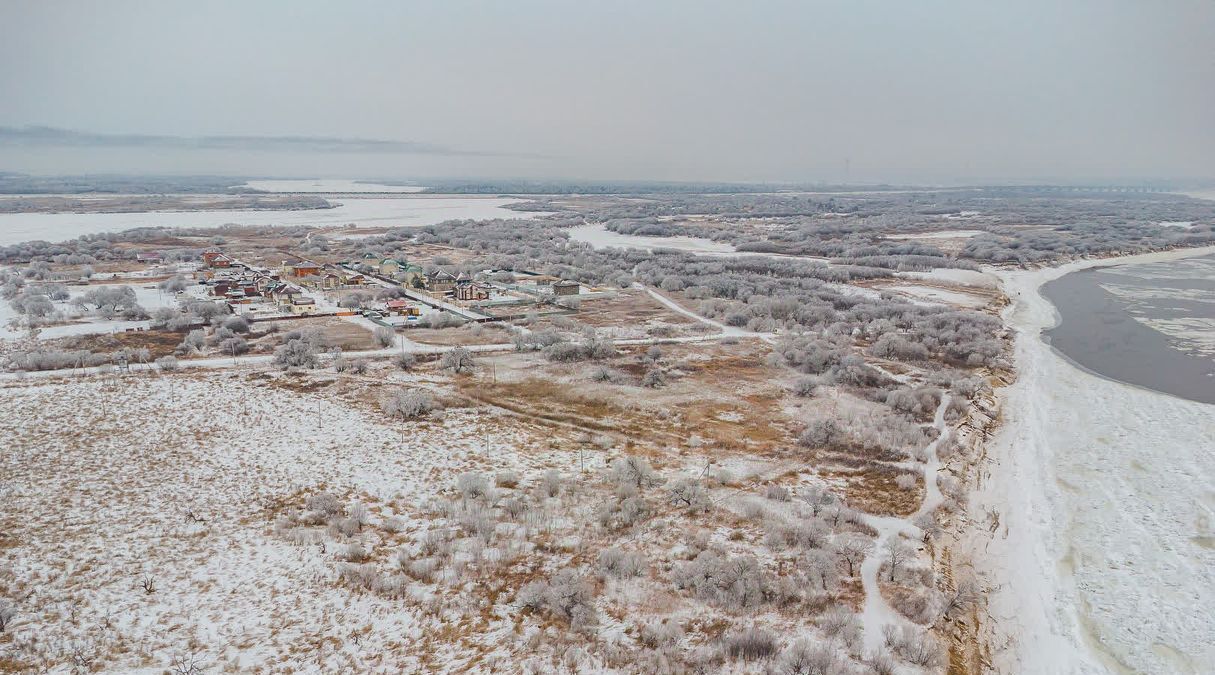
[[598, 236], [328, 185], [416, 211]]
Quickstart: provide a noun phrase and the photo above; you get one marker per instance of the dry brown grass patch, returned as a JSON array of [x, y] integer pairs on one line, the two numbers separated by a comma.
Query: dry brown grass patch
[[872, 489]]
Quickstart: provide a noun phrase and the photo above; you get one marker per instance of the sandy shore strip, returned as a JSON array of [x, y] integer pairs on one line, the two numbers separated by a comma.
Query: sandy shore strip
[[1093, 526]]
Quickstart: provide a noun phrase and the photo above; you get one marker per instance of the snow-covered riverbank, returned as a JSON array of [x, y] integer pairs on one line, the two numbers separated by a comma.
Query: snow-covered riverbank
[[1098, 496]]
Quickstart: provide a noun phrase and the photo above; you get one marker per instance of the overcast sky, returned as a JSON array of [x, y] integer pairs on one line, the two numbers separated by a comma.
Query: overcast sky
[[924, 91]]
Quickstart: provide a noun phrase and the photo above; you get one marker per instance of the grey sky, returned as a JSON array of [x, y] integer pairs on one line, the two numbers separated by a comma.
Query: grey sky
[[913, 91]]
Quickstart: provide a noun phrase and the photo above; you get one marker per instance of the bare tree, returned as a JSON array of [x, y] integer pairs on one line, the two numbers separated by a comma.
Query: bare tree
[[853, 550], [960, 598], [185, 664], [7, 612], [897, 553]]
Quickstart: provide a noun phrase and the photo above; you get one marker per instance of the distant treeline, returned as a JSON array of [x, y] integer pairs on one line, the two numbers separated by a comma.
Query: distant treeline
[[627, 187]]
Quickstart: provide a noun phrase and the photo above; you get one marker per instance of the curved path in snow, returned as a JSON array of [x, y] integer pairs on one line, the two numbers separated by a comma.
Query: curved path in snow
[[877, 613]]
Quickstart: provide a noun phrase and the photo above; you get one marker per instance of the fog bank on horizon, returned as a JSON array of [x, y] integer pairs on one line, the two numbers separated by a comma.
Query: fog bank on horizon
[[934, 91]]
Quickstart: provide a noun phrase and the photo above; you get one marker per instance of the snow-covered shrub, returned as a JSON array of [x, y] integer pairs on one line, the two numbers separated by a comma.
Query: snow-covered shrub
[[659, 634], [384, 336], [362, 576], [473, 485], [551, 482], [653, 378], [605, 374], [237, 324], [616, 563], [750, 644], [194, 341], [353, 552], [325, 503], [635, 471], [565, 595], [297, 353], [819, 433], [515, 508], [840, 624], [689, 494], [620, 514], [408, 403], [806, 658], [805, 387], [167, 364], [732, 582], [920, 402], [914, 645], [777, 493]]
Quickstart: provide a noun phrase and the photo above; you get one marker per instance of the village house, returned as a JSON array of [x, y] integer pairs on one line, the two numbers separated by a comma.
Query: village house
[[331, 281], [150, 258], [402, 308], [264, 282], [440, 282], [540, 279], [468, 290], [301, 269], [299, 304], [282, 293], [388, 267], [216, 259], [566, 287], [409, 274]]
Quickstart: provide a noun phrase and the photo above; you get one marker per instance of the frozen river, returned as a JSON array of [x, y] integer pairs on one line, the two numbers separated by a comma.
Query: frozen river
[[414, 211], [1152, 325], [1101, 550]]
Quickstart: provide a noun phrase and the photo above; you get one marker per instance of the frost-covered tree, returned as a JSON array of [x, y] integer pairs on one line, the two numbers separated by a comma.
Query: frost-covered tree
[[297, 353], [458, 360]]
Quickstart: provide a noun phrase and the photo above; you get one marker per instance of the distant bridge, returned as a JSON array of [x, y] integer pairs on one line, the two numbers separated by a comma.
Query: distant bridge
[[1055, 189]]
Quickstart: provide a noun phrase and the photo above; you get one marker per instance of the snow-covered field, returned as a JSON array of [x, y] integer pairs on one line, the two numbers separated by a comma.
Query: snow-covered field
[[951, 275], [85, 523], [416, 211], [1101, 553], [939, 295]]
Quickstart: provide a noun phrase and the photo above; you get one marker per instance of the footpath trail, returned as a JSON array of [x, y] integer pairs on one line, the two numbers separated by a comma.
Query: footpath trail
[[726, 331], [877, 613]]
